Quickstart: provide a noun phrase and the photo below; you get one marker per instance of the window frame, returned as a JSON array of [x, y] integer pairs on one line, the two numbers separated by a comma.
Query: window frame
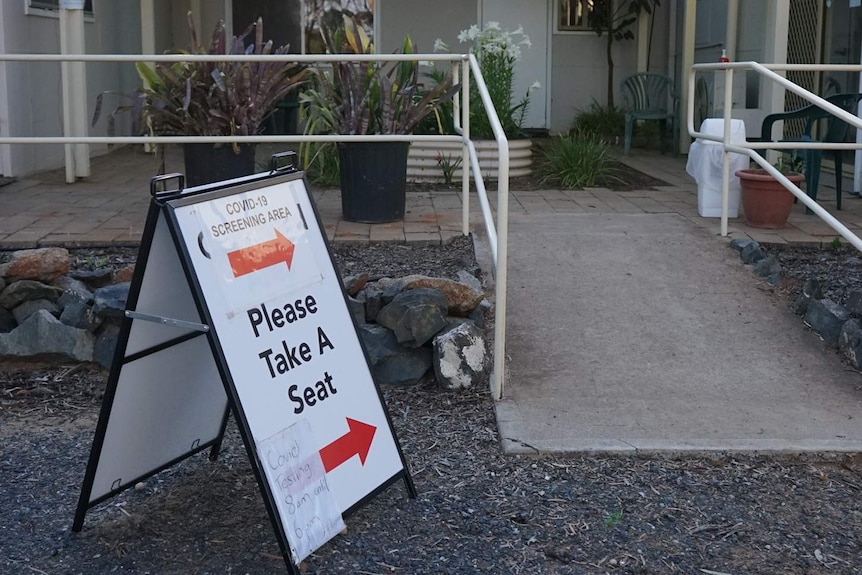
[[571, 31], [51, 9]]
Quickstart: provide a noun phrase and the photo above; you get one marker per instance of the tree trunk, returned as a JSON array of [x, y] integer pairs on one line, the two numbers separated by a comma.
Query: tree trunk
[[610, 70]]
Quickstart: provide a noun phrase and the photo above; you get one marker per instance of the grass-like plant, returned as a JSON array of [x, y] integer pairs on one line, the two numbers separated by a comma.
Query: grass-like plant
[[607, 124], [321, 163], [575, 161]]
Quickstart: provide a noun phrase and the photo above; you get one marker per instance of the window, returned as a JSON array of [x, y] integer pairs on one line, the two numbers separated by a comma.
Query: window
[[574, 15], [52, 7], [331, 12]]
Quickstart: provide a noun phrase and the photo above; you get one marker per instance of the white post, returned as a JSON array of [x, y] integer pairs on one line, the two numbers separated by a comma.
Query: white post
[[725, 172], [687, 63], [643, 41], [465, 154], [732, 27], [74, 88], [857, 155]]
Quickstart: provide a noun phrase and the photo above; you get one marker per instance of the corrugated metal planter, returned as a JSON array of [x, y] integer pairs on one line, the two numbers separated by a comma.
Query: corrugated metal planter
[[423, 165]]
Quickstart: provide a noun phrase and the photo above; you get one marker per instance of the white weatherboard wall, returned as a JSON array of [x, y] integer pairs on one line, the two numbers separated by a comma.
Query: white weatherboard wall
[[424, 22], [31, 103], [532, 15]]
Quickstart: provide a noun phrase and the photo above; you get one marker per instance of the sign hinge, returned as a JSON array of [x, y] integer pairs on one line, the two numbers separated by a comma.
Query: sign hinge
[[167, 321]]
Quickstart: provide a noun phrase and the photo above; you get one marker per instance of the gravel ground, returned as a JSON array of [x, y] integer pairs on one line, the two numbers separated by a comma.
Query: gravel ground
[[478, 511]]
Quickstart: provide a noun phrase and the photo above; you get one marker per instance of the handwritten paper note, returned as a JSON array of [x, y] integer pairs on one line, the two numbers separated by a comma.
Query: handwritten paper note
[[294, 471]]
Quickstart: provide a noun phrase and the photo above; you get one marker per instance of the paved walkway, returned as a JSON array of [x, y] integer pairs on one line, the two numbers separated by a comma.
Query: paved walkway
[[632, 327], [110, 206]]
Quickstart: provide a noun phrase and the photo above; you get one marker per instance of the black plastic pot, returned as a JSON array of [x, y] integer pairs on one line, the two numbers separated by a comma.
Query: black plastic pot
[[206, 163], [373, 181]]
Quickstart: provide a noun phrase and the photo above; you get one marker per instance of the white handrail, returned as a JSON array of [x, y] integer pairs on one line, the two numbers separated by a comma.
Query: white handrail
[[748, 148], [498, 373], [496, 234]]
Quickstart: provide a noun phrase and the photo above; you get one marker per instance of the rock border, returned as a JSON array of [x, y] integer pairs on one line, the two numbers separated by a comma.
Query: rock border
[[839, 325], [411, 326]]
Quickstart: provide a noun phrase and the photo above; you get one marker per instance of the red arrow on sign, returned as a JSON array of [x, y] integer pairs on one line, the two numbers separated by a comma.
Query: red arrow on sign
[[357, 441], [259, 256]]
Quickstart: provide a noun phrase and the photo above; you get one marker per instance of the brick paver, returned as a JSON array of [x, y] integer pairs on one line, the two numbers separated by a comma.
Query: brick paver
[[111, 206]]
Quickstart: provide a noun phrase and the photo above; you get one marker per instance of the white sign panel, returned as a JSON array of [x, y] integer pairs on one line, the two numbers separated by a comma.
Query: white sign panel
[[293, 467], [283, 326]]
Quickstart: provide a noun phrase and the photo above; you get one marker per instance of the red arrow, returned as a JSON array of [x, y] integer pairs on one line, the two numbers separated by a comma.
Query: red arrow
[[259, 256], [357, 441]]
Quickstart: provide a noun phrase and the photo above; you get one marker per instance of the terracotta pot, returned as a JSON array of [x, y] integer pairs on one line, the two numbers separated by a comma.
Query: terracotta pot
[[766, 203]]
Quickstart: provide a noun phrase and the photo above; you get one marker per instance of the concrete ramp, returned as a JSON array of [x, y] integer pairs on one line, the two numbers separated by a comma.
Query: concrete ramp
[[641, 333]]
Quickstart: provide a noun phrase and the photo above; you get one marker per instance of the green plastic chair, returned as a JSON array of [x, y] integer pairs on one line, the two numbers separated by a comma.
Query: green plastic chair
[[835, 132], [648, 96]]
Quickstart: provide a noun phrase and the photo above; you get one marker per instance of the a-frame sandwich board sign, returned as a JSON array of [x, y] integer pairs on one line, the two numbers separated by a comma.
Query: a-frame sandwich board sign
[[236, 306]]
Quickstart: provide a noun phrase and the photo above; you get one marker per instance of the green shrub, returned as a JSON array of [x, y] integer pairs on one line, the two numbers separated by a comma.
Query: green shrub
[[321, 163], [608, 125], [576, 161]]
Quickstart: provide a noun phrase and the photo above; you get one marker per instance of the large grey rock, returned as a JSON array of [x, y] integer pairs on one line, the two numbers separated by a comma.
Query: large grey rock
[[751, 253], [354, 284], [826, 317], [42, 264], [380, 293], [18, 292], [7, 320], [767, 267], [81, 315], [44, 335], [96, 278], [29, 307], [460, 359], [811, 289], [415, 316], [357, 309], [106, 343], [477, 316], [854, 303], [2, 284], [460, 299], [391, 363], [73, 291], [850, 341], [110, 301], [469, 280], [740, 244]]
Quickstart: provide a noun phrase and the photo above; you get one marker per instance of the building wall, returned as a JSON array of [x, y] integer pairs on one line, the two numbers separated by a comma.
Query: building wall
[[424, 22], [579, 68], [33, 90]]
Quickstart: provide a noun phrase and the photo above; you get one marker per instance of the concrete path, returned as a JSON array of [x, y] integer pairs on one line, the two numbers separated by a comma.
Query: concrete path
[[641, 333], [632, 325]]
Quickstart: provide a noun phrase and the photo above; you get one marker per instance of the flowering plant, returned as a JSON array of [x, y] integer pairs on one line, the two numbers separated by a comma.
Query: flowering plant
[[496, 50]]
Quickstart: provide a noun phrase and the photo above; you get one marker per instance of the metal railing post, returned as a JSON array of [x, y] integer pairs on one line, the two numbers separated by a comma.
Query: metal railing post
[[725, 172], [465, 151], [751, 149]]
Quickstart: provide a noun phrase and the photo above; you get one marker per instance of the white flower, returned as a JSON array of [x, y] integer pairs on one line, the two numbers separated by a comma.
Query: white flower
[[440, 46]]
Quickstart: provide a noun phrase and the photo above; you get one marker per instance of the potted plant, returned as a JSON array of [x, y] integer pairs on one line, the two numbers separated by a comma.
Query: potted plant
[[363, 98], [217, 99], [766, 203], [497, 50]]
